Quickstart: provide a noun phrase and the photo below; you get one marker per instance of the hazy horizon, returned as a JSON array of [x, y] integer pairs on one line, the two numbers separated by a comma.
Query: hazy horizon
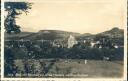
[[70, 31], [90, 16]]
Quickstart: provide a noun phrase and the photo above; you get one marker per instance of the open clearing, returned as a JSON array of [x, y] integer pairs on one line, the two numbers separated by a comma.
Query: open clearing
[[78, 68], [93, 68]]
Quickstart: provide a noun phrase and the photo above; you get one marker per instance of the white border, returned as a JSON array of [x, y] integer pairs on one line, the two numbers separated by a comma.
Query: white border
[[62, 79], [2, 38]]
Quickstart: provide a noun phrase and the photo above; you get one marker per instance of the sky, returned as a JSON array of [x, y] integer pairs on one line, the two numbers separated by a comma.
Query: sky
[[82, 16]]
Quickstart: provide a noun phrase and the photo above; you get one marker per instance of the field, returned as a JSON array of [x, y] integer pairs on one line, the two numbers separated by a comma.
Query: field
[[78, 68]]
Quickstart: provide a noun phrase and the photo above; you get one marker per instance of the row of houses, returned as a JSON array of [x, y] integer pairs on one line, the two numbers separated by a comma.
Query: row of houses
[[69, 43]]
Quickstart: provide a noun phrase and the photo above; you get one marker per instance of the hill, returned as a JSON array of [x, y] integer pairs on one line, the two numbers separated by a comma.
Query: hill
[[50, 35], [60, 35], [113, 33], [16, 36]]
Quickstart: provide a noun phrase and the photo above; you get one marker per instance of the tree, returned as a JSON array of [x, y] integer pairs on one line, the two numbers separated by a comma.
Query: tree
[[9, 61], [14, 9], [104, 41]]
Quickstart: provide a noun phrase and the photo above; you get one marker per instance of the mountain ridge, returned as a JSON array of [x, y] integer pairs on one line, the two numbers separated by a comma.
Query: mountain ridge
[[59, 34]]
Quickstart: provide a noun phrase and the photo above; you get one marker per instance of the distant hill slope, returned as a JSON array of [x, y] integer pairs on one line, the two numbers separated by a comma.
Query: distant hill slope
[[57, 34], [16, 36], [116, 36], [41, 35], [50, 35], [113, 33]]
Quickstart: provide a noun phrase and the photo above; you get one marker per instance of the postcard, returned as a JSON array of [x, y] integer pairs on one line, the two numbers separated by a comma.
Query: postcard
[[64, 40]]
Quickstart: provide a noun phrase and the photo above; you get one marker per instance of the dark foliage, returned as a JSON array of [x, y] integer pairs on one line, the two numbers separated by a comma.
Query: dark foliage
[[78, 51], [14, 9], [45, 50]]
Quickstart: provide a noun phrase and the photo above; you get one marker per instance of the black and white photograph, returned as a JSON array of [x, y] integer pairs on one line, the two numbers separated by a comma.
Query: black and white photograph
[[64, 39]]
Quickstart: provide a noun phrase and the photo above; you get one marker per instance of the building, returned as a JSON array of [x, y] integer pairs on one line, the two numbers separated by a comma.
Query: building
[[71, 41]]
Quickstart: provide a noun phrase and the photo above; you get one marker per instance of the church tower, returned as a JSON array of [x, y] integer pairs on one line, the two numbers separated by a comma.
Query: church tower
[[71, 41]]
